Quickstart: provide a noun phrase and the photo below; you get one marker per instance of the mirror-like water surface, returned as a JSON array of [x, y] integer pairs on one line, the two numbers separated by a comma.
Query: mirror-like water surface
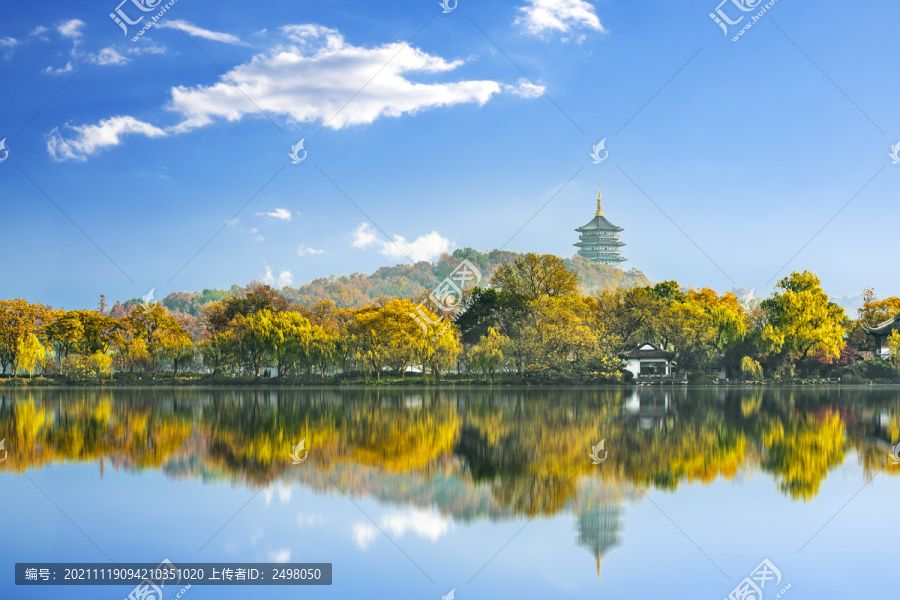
[[411, 493]]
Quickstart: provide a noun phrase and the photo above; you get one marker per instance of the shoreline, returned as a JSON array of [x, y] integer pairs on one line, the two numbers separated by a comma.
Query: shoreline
[[145, 381]]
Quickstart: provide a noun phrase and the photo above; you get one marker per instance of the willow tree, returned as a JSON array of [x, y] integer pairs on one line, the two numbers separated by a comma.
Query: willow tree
[[31, 353]]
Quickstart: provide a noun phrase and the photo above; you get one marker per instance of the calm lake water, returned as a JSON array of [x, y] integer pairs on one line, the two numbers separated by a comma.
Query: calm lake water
[[413, 493]]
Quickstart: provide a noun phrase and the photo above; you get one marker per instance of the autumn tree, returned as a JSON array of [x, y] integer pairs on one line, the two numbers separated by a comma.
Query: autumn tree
[[802, 319], [872, 312], [18, 319], [533, 276], [30, 354]]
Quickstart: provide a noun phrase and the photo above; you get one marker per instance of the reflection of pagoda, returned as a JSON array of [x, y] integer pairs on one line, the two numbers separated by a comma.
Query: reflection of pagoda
[[599, 240], [598, 529]]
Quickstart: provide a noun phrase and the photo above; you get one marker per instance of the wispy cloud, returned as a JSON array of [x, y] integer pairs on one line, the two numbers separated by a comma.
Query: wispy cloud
[[304, 250], [424, 247], [108, 56], [71, 29], [191, 29], [84, 140], [525, 89], [540, 16], [150, 49], [281, 214]]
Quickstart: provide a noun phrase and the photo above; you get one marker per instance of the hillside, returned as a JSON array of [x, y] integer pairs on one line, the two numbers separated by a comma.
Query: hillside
[[401, 281], [408, 281]]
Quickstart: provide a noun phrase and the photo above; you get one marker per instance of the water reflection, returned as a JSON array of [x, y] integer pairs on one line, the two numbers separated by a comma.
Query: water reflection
[[445, 456]]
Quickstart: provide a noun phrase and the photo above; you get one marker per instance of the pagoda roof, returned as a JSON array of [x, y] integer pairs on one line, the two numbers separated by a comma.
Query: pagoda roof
[[883, 328], [600, 222], [593, 244]]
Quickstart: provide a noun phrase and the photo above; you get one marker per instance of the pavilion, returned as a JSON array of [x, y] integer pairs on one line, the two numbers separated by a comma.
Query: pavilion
[[648, 361], [881, 333]]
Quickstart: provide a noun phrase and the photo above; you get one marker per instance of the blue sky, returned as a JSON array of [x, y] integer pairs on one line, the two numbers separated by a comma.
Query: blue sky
[[138, 164]]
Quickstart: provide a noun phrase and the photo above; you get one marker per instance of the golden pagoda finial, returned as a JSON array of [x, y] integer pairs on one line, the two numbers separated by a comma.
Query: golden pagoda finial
[[599, 205]]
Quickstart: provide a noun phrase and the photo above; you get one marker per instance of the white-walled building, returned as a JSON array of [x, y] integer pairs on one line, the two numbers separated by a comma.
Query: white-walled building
[[648, 361]]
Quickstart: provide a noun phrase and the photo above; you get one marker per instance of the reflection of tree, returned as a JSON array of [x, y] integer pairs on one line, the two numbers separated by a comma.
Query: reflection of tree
[[800, 452], [89, 427], [470, 452]]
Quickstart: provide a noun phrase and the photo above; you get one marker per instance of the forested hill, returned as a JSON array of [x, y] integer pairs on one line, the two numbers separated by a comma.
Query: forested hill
[[408, 281], [400, 281]]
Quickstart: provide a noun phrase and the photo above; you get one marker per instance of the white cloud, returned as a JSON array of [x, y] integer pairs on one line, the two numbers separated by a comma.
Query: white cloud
[[364, 236], [282, 214], [39, 30], [8, 42], [280, 556], [256, 235], [108, 56], [425, 524], [304, 250], [424, 247], [364, 534], [312, 77], [65, 69], [70, 29], [284, 278], [192, 29], [539, 16], [151, 49], [525, 89], [90, 139]]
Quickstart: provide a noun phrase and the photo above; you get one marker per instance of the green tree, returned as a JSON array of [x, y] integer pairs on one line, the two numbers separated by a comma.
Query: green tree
[[487, 355], [534, 276]]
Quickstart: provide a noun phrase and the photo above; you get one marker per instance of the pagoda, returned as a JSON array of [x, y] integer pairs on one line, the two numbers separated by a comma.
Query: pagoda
[[598, 530], [598, 241]]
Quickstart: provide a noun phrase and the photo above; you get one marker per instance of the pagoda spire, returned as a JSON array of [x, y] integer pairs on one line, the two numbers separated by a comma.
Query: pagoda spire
[[599, 212]]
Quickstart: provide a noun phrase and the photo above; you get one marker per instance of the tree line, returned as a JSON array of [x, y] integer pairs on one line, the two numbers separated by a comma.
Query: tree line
[[534, 322]]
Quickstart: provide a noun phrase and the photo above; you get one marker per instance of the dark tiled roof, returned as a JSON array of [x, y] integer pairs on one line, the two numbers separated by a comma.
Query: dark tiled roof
[[655, 353], [883, 328]]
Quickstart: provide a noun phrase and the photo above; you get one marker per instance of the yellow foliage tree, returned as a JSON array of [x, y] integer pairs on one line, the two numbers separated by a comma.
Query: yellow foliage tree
[[31, 353], [802, 320]]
